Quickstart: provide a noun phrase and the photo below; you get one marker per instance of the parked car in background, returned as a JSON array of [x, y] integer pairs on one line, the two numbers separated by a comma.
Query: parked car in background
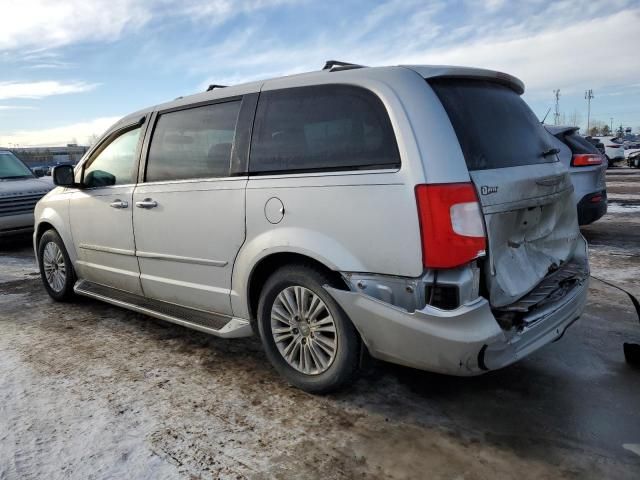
[[614, 150], [633, 160], [20, 190], [39, 170], [587, 167], [417, 212], [596, 143]]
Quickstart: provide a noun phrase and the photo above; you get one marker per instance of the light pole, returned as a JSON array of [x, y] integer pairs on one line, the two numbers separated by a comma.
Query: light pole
[[611, 128], [588, 95]]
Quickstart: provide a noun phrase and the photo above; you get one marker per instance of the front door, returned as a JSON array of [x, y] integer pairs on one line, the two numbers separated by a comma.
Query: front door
[[188, 214], [100, 214]]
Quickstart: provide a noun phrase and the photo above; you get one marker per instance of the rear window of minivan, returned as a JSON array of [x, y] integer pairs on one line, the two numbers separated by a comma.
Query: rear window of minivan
[[494, 126]]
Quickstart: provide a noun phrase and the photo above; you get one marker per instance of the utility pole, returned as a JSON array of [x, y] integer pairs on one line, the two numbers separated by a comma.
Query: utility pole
[[588, 95], [556, 115], [611, 128]]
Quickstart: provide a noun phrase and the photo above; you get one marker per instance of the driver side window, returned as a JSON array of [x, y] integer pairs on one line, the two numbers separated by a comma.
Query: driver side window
[[115, 164]]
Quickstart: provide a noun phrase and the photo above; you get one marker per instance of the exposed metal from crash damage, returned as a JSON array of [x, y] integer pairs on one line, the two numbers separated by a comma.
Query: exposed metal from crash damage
[[527, 239], [477, 336]]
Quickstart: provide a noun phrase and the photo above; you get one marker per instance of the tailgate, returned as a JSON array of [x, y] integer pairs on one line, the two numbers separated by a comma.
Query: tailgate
[[526, 194], [531, 223]]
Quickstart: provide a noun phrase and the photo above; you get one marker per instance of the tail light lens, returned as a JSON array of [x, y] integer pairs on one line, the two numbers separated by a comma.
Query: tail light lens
[[451, 224], [586, 159]]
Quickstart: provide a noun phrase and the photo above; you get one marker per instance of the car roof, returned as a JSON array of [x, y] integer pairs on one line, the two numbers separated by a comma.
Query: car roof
[[426, 71]]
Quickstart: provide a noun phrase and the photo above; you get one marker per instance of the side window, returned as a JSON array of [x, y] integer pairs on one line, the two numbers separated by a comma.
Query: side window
[[326, 127], [193, 143], [115, 164]]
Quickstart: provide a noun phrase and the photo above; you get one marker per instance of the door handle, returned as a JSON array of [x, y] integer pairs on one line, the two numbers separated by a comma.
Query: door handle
[[119, 204], [147, 203]]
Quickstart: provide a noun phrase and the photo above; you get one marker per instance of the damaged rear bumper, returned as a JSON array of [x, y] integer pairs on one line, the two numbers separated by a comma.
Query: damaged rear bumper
[[465, 341]]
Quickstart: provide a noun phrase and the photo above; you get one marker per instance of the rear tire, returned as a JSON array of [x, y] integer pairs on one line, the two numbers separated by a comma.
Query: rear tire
[[56, 269], [315, 346]]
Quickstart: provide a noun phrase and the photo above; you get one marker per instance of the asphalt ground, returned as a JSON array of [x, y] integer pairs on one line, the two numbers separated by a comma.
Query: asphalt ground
[[88, 390]]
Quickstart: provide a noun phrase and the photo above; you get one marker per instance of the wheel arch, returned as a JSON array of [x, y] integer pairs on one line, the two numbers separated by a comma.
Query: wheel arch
[[50, 219], [270, 263]]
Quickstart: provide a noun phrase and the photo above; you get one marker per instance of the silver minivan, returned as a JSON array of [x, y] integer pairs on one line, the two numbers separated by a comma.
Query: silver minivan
[[415, 213]]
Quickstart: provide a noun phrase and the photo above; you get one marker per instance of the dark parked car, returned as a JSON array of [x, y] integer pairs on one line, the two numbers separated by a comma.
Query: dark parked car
[[587, 167], [596, 143]]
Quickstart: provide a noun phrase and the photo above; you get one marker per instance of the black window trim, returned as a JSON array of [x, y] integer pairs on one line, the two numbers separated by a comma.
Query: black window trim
[[375, 168], [142, 171], [107, 140]]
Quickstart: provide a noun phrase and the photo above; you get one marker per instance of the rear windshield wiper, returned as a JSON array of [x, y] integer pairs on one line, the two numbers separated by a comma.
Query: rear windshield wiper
[[551, 151]]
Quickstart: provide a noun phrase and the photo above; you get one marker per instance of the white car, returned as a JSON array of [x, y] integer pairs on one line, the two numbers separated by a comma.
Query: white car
[[613, 149], [418, 213]]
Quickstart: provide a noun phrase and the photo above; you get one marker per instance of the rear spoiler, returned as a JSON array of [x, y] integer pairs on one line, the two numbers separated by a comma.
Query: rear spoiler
[[443, 71]]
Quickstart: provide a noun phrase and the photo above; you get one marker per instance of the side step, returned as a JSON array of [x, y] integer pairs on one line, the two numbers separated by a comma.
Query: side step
[[213, 323]]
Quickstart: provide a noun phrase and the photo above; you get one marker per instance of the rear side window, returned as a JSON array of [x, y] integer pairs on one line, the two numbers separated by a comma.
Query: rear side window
[[495, 127], [320, 128], [193, 143]]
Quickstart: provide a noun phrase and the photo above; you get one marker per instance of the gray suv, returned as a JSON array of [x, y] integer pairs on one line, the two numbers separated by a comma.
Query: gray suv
[[587, 167], [417, 213]]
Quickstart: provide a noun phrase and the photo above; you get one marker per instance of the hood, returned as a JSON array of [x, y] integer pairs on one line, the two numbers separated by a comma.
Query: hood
[[25, 186]]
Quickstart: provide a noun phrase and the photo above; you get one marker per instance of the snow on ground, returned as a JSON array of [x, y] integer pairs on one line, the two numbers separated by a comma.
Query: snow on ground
[[91, 391]]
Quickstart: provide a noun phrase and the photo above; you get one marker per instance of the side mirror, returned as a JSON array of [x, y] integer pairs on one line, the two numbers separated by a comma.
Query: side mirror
[[38, 172], [63, 176]]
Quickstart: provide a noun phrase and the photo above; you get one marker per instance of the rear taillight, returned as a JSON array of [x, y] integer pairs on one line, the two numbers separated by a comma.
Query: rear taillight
[[451, 224], [586, 159]]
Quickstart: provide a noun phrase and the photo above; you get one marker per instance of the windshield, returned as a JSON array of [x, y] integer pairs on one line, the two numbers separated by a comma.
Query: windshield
[[11, 167]]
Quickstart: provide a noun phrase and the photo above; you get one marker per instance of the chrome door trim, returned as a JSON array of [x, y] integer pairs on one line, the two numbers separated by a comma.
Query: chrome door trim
[[119, 204], [100, 248], [147, 203], [178, 258]]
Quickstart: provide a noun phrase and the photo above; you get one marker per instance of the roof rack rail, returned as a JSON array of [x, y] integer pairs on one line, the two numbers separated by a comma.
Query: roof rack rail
[[336, 65], [213, 86]]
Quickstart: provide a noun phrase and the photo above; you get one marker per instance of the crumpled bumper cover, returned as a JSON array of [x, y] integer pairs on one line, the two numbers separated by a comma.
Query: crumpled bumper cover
[[465, 341]]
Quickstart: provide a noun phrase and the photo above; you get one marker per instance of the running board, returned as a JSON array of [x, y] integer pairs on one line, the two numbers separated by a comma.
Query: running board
[[213, 323]]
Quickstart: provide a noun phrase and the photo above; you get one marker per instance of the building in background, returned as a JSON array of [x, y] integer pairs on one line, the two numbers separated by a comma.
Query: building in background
[[50, 156]]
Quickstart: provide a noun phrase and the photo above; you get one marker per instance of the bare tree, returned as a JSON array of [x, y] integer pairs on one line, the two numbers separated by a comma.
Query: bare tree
[[575, 118]]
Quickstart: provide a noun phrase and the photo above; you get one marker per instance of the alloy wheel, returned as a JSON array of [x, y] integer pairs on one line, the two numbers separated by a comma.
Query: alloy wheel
[[54, 266], [304, 330]]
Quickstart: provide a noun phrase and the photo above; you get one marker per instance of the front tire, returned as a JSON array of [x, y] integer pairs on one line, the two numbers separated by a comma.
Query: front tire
[[307, 337], [56, 269]]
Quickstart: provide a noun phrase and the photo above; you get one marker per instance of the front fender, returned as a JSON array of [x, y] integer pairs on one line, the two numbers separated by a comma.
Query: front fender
[[54, 210], [310, 243]]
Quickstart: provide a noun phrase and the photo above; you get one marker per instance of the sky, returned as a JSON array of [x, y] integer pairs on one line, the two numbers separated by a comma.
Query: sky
[[71, 68]]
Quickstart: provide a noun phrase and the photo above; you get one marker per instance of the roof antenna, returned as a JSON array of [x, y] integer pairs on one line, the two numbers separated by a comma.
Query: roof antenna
[[213, 85], [545, 115]]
